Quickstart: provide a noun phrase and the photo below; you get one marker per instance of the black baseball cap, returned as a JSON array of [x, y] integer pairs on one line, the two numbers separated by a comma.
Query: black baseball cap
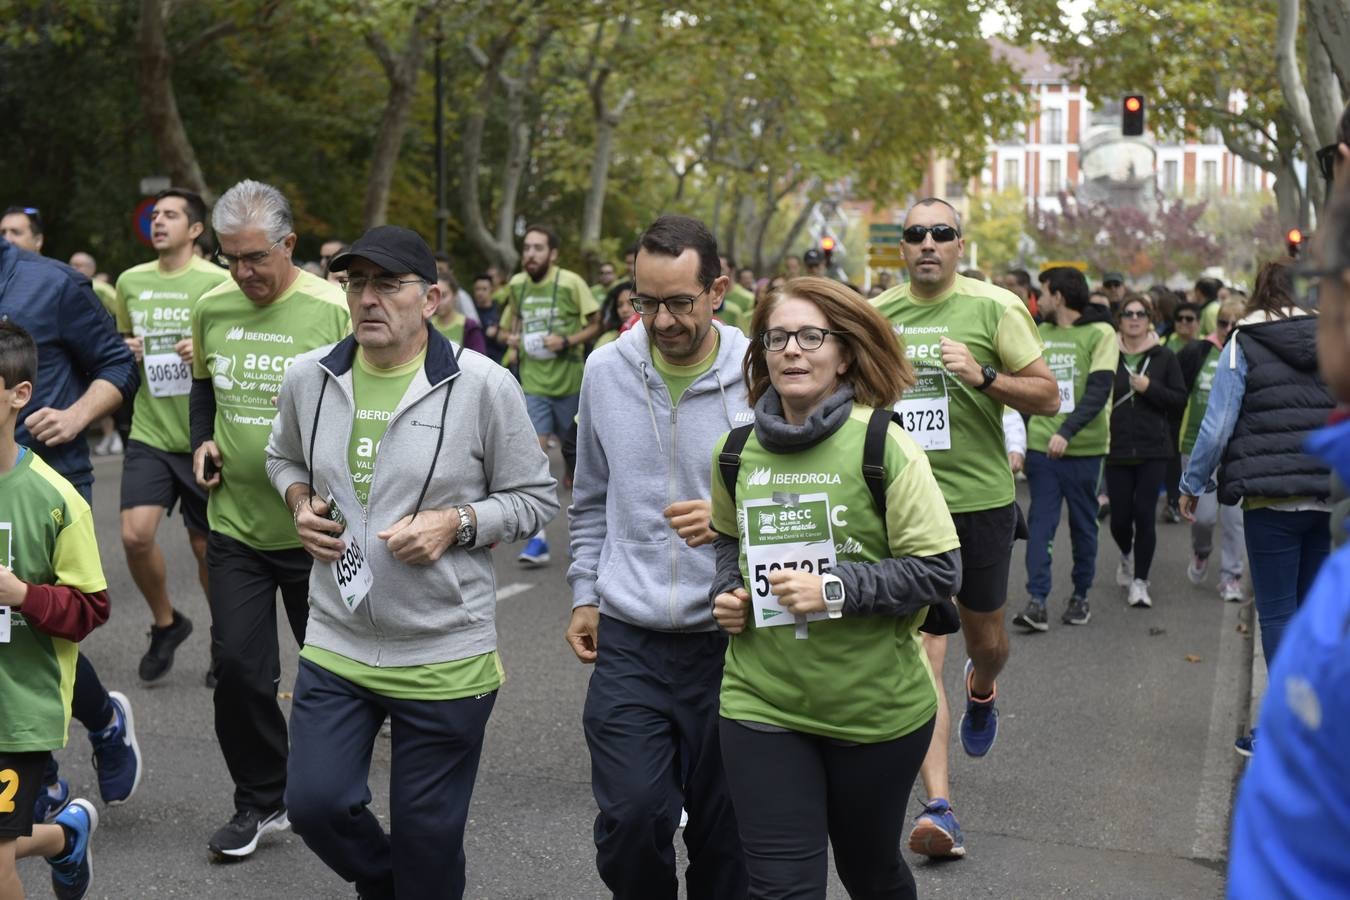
[[812, 257], [394, 249], [1113, 278]]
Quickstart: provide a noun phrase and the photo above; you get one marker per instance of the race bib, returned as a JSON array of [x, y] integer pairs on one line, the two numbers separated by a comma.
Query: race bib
[[166, 375], [925, 411], [350, 570], [4, 624], [1065, 396], [786, 532], [534, 346]]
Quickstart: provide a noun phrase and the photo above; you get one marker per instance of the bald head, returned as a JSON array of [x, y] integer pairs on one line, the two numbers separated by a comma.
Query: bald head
[[84, 264]]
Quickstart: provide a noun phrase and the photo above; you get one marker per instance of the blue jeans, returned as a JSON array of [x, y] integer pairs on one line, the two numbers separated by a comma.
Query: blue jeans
[[552, 415], [1285, 550], [1073, 480]]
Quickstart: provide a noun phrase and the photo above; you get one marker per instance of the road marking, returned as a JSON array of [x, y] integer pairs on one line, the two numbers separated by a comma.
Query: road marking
[[510, 590], [1220, 766]]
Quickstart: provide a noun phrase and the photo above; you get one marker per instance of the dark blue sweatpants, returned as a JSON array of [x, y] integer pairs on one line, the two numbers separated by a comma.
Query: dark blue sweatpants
[[435, 751], [652, 727], [1073, 480]]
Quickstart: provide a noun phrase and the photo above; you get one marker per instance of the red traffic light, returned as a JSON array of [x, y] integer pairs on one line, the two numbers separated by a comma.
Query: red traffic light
[[1133, 104], [1294, 236], [827, 244], [1132, 115]]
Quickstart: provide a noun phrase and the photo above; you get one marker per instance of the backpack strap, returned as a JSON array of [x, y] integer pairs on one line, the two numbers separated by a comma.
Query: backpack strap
[[874, 455], [729, 460]]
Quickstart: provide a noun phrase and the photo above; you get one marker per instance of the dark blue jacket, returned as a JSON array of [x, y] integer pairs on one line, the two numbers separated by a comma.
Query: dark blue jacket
[[77, 343]]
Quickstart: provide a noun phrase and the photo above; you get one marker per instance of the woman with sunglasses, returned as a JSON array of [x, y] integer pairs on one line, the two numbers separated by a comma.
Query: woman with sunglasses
[[827, 702], [1266, 400], [1148, 387]]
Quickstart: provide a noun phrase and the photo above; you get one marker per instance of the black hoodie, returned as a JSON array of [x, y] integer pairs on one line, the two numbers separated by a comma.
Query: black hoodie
[[1139, 422]]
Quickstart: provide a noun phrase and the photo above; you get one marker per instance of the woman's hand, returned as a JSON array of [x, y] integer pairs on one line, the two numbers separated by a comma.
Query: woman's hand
[[731, 609], [1139, 383], [799, 591]]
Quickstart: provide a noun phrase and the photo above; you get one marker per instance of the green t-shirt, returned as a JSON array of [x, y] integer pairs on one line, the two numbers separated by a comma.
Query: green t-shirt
[[377, 393], [107, 295], [738, 307], [1209, 318], [452, 332], [1072, 353], [859, 678], [1132, 361], [157, 307], [1199, 401], [438, 681], [245, 350], [973, 468], [1175, 342], [46, 537], [558, 304], [598, 291], [679, 378]]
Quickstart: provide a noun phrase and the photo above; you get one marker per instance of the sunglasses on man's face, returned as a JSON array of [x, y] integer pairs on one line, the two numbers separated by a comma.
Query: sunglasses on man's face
[[1185, 318], [942, 234]]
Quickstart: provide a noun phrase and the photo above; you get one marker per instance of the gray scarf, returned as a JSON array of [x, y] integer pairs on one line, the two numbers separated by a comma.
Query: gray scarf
[[776, 435]]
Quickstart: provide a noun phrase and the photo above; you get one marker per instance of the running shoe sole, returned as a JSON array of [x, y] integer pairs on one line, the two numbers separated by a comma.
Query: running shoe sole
[[1030, 623], [280, 823], [930, 839]]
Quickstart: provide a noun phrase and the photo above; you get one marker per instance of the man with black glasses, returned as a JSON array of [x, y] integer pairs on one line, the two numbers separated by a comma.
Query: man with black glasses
[[653, 405], [975, 349], [245, 335]]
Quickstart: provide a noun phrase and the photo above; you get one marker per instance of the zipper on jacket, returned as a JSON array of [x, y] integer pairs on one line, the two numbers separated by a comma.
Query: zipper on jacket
[[674, 548]]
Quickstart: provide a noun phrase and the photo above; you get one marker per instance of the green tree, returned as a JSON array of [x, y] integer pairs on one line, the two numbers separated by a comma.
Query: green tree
[[996, 225]]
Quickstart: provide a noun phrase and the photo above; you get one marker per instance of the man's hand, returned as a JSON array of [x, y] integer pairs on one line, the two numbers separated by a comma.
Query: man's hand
[[799, 591], [555, 342], [318, 533], [12, 589], [420, 540], [692, 521], [208, 448], [1016, 461], [55, 427], [1186, 504], [583, 633], [956, 357], [184, 350], [1056, 447], [137, 347], [731, 610]]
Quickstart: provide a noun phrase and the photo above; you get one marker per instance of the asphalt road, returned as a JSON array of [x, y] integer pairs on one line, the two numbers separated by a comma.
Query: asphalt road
[[1112, 775]]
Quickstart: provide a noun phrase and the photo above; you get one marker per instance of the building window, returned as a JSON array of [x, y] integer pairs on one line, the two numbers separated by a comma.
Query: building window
[[1170, 181], [1054, 176], [1209, 178], [1012, 169], [1053, 126], [1248, 176]]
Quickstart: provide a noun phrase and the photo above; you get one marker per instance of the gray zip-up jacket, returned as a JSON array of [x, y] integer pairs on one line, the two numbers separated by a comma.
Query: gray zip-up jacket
[[636, 455], [460, 435]]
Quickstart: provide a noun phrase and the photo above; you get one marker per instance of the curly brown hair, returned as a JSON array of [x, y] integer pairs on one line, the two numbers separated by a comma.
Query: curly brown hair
[[877, 367]]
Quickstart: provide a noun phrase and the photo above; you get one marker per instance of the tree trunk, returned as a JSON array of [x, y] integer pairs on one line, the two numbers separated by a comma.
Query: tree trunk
[[1291, 79], [161, 103], [794, 233], [607, 119], [1329, 21]]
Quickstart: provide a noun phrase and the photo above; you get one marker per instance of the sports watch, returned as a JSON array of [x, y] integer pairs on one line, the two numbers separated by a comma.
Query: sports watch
[[466, 531], [989, 373], [833, 591]]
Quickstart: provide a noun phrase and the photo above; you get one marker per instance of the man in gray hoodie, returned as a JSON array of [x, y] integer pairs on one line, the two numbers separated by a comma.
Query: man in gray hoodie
[[653, 404], [402, 600]]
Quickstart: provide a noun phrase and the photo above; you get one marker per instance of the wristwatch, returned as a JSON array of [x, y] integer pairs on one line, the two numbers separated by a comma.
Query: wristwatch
[[989, 373], [833, 590], [467, 531]]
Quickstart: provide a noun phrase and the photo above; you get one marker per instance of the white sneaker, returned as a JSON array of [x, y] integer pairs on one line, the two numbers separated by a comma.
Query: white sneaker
[[1230, 589], [1139, 593], [1197, 569], [684, 817], [1125, 571]]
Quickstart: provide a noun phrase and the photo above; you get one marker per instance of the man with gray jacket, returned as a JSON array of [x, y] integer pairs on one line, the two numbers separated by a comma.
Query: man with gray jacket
[[653, 404], [402, 600]]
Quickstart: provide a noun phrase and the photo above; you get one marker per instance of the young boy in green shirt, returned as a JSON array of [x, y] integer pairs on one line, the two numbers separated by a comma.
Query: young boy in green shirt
[[52, 594]]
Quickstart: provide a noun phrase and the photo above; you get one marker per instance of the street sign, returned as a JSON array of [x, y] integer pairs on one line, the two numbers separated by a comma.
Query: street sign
[[140, 220], [884, 235]]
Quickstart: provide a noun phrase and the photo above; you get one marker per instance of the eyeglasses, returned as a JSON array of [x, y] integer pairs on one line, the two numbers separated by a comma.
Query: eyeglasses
[[1326, 160], [808, 338], [676, 306], [1185, 318], [252, 259], [384, 285], [942, 234], [1134, 314]]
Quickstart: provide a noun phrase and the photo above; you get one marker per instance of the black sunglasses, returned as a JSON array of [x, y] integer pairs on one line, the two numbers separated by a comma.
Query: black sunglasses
[[942, 234], [1185, 318], [1134, 314], [1326, 160]]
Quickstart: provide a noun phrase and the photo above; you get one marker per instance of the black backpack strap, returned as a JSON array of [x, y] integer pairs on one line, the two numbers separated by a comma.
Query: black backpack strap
[[729, 460], [874, 455]]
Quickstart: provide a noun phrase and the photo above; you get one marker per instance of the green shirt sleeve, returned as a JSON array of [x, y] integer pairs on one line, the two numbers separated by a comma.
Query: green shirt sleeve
[[121, 315], [586, 303], [1017, 341], [917, 520], [199, 368], [75, 559], [1105, 353]]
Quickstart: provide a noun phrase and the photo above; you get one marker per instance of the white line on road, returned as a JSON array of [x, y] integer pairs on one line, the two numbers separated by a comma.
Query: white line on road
[[510, 590], [1216, 776]]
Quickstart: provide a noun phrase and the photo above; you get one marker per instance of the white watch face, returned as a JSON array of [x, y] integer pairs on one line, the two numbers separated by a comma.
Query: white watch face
[[834, 592]]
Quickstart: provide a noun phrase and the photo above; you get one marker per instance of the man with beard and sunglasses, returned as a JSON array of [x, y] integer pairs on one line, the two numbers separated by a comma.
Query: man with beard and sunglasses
[[975, 350]]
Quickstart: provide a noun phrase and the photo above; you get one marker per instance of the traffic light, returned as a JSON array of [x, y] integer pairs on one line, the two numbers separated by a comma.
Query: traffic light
[[827, 247], [1293, 240], [1132, 115]]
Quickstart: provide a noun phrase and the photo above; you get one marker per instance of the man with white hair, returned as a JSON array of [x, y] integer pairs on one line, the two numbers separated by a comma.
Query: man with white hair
[[245, 335]]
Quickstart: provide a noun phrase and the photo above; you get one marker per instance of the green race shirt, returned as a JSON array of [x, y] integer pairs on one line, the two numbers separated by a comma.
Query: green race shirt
[[46, 537], [245, 350], [737, 308], [377, 393], [157, 307], [107, 295], [865, 678], [1072, 353], [996, 326], [1209, 318], [453, 680], [679, 378], [1199, 401], [558, 304], [452, 332], [1175, 342]]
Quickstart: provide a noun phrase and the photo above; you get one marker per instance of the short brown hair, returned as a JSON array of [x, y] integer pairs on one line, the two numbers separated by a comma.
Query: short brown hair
[[1144, 300], [877, 370]]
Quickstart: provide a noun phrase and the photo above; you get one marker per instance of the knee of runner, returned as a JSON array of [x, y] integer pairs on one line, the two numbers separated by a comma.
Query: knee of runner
[[137, 541]]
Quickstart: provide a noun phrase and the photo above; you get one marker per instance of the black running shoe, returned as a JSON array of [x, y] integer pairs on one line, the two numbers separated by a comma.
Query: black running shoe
[[158, 660], [1077, 613], [1033, 617], [239, 838]]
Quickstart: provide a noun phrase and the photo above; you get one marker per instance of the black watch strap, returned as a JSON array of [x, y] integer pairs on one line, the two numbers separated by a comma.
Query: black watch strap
[[989, 373]]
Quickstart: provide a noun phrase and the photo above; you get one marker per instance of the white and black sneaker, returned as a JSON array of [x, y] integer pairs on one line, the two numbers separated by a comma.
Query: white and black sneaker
[[1077, 613], [1033, 617], [239, 838]]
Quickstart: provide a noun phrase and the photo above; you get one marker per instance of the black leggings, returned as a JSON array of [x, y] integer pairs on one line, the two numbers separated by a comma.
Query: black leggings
[[1134, 497], [793, 791]]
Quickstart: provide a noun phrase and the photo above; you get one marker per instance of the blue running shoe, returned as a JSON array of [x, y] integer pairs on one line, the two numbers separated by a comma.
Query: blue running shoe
[[1246, 745], [937, 833], [117, 756], [535, 552], [979, 723], [73, 872], [47, 804]]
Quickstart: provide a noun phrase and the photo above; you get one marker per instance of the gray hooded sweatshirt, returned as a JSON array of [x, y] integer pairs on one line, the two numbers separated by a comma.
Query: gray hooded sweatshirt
[[636, 455], [460, 435]]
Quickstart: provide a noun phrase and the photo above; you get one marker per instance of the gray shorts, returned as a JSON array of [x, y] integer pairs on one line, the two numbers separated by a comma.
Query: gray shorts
[[552, 415]]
